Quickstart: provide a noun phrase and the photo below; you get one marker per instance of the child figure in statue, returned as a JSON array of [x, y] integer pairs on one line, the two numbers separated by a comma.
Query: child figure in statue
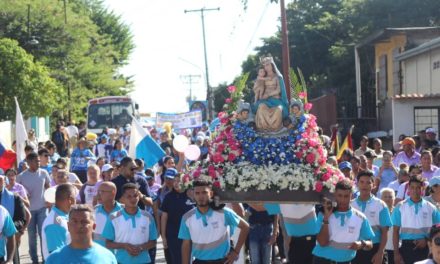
[[295, 113], [243, 114], [259, 88]]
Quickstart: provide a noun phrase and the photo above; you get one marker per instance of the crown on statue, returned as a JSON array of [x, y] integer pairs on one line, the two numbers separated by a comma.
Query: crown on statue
[[266, 59]]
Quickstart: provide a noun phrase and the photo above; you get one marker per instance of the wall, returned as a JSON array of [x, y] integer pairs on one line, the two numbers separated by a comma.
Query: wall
[[386, 48], [419, 75], [403, 114], [6, 133], [324, 108]]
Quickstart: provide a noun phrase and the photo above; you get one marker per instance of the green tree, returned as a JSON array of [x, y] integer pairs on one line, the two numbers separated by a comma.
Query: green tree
[[84, 54], [29, 81]]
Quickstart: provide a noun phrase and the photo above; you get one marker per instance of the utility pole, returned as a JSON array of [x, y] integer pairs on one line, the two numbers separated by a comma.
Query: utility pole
[[69, 108], [208, 87], [190, 79], [285, 47]]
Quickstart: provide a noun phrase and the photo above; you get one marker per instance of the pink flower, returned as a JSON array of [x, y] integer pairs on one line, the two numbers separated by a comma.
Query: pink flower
[[313, 143], [302, 95], [197, 173], [218, 158], [228, 100], [308, 106], [234, 146], [318, 186], [220, 148], [222, 115], [216, 184], [231, 157], [185, 178], [231, 89], [310, 158], [326, 176], [299, 155]]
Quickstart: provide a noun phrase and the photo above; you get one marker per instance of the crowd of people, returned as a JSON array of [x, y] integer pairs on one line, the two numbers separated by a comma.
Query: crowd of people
[[108, 207]]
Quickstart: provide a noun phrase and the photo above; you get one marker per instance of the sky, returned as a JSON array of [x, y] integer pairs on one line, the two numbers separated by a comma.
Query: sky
[[169, 46]]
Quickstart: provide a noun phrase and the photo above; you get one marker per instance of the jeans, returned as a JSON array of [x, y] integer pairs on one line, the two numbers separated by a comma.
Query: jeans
[[259, 248], [35, 225]]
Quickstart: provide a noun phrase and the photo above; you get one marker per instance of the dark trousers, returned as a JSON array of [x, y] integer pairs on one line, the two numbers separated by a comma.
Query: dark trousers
[[411, 255], [300, 249], [82, 175], [167, 254], [319, 260], [152, 253], [365, 256], [174, 249], [389, 254]]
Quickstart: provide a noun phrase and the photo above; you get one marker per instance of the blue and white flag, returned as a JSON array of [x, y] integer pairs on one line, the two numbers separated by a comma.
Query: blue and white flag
[[143, 146]]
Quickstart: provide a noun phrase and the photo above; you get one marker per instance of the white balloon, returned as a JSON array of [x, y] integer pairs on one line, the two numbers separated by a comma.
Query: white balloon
[[49, 195], [192, 152], [180, 143]]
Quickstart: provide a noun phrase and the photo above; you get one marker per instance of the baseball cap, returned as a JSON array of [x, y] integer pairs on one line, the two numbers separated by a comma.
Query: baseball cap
[[107, 167], [345, 165], [430, 130], [434, 181], [171, 173], [408, 141]]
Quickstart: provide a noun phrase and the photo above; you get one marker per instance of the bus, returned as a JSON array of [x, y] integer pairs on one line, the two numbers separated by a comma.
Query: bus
[[111, 112]]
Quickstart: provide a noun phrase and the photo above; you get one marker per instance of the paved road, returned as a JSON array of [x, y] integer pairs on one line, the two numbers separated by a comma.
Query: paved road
[[25, 258]]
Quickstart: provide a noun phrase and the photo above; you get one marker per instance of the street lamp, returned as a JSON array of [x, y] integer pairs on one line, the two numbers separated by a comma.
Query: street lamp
[[32, 40]]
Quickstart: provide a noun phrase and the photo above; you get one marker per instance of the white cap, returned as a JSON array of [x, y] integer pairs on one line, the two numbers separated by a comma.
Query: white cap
[[430, 130], [107, 167]]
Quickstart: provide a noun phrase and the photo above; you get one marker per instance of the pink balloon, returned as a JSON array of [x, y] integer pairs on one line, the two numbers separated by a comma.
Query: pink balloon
[[192, 152]]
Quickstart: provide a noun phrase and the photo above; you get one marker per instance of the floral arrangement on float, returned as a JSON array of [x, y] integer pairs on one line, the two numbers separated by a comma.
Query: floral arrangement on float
[[244, 157]]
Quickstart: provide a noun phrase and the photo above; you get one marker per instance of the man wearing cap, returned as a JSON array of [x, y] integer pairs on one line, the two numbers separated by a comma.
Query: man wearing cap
[[431, 140], [107, 205], [107, 172], [408, 155], [127, 174], [345, 168]]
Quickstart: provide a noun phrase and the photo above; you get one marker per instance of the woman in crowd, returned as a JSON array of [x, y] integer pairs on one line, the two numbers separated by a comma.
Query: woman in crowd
[[88, 191], [387, 172], [434, 189], [118, 152], [79, 160], [388, 196], [16, 187]]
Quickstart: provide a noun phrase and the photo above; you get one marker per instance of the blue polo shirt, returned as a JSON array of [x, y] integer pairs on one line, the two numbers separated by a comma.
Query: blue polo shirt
[[415, 219], [118, 155], [175, 205], [377, 214], [134, 229], [299, 219], [101, 217], [209, 232], [7, 228], [344, 229], [93, 255]]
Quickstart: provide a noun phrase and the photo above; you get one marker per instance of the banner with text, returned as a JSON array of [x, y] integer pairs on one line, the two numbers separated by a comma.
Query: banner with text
[[179, 121]]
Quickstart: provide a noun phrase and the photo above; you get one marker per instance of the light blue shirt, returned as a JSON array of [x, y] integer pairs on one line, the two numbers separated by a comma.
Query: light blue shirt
[[8, 230], [298, 227], [342, 222], [93, 255], [118, 155], [55, 233], [370, 208], [101, 217], [209, 232], [79, 159], [122, 227], [416, 223]]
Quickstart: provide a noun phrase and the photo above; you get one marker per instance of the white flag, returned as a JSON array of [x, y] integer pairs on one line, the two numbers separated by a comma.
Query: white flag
[[20, 133]]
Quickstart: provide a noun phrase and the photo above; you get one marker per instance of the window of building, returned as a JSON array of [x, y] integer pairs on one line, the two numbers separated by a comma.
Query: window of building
[[382, 78], [426, 117]]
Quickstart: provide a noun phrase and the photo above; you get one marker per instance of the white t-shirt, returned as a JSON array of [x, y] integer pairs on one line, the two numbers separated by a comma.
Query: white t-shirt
[[72, 131]]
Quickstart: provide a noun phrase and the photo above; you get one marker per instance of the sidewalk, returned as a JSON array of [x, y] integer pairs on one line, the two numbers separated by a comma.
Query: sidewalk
[[25, 258]]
